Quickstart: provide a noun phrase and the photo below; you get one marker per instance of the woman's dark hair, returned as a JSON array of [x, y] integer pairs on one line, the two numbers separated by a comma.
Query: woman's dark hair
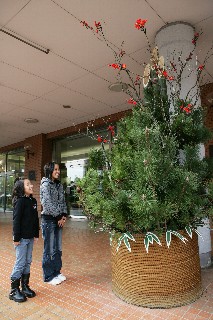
[[18, 190], [48, 169]]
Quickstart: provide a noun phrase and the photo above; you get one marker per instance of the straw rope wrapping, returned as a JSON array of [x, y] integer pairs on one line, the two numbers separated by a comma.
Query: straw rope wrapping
[[163, 278]]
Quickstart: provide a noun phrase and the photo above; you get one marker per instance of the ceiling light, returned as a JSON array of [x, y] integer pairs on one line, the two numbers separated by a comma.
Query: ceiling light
[[66, 106], [32, 44], [31, 120], [118, 87]]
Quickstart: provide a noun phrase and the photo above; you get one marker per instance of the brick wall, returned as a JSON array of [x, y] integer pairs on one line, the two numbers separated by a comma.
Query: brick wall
[[42, 149]]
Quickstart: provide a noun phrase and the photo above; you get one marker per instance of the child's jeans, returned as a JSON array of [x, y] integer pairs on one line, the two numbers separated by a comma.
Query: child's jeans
[[23, 258]]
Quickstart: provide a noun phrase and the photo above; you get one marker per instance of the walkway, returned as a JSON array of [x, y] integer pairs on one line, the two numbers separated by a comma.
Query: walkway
[[87, 292]]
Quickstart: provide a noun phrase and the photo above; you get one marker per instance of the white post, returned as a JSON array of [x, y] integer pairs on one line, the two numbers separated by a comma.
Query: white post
[[174, 40]]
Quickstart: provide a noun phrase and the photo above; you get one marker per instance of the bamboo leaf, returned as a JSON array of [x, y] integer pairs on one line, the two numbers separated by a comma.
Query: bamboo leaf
[[119, 241], [168, 238], [146, 243], [177, 234], [155, 238], [150, 238], [189, 231], [130, 236], [127, 244]]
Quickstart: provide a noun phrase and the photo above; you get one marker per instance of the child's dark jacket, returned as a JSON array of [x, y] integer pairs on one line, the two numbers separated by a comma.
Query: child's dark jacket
[[25, 219]]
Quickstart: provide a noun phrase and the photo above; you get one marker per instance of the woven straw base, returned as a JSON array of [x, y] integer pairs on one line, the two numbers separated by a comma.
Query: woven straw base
[[162, 278]]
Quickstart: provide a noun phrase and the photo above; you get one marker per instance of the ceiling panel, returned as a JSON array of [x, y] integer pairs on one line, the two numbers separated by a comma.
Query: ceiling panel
[[48, 66], [190, 11], [10, 9], [103, 93], [78, 101], [23, 81], [47, 107], [15, 96]]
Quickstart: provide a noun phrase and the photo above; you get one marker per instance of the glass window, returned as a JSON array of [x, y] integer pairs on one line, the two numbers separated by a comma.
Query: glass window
[[11, 167], [72, 154], [2, 181]]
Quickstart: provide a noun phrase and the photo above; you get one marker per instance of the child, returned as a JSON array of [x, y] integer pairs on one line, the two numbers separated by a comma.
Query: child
[[53, 218], [25, 229]]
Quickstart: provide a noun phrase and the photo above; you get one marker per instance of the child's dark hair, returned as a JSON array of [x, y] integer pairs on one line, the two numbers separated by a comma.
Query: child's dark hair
[[48, 169], [18, 190]]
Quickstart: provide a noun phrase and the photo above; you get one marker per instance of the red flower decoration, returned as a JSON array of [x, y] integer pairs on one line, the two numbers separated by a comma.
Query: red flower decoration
[[165, 74], [114, 65], [132, 101], [201, 67], [99, 138], [85, 24], [111, 129], [98, 26], [118, 66], [139, 24], [196, 36], [186, 109]]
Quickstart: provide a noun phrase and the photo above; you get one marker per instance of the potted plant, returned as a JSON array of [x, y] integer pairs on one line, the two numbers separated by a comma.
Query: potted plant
[[153, 192]]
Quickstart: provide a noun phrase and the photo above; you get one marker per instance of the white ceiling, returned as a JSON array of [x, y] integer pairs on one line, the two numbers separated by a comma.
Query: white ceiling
[[75, 72]]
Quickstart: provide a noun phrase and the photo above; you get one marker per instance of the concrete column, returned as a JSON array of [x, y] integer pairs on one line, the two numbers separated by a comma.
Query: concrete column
[[174, 42]]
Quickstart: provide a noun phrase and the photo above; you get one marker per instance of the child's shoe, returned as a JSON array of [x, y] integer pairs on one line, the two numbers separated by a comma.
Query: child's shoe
[[29, 293], [15, 293]]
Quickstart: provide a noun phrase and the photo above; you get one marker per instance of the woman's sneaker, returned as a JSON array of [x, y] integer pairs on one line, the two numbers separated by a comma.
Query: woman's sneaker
[[61, 277], [55, 281]]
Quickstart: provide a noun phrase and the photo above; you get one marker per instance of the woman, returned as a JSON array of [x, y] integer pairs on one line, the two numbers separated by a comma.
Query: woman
[[25, 231], [53, 218]]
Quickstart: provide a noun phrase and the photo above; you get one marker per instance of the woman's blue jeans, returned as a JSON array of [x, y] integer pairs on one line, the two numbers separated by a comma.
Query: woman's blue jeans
[[23, 258], [51, 262]]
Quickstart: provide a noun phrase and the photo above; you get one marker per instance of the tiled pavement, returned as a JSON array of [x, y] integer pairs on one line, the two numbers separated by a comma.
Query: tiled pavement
[[87, 292]]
